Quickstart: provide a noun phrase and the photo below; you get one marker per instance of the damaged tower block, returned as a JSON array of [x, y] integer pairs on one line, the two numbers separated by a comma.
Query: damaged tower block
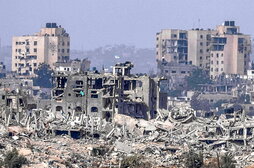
[[90, 97]]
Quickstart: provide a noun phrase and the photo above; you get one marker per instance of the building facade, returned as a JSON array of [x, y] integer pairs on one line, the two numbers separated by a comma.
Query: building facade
[[102, 95], [230, 51], [50, 45], [73, 66], [221, 51], [175, 73], [199, 43], [172, 46]]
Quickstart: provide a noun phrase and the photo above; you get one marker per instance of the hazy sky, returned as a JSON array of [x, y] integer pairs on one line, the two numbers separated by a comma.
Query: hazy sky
[[94, 23]]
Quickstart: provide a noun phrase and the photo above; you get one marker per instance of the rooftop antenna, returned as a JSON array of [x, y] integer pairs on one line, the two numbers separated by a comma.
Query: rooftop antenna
[[198, 23]]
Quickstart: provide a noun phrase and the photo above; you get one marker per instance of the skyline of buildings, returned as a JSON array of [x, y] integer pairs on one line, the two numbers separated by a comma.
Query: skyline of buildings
[[221, 51], [127, 84], [197, 47]]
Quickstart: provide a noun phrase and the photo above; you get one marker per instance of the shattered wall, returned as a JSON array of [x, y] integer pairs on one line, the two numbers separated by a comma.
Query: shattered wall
[[100, 96]]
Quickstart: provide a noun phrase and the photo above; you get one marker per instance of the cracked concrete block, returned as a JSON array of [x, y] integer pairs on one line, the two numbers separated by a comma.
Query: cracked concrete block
[[127, 121], [148, 126], [25, 151], [138, 131], [154, 136], [123, 147], [16, 129]]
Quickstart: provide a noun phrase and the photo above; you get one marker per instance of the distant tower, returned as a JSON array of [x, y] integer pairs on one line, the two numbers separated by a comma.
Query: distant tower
[[230, 50], [50, 45]]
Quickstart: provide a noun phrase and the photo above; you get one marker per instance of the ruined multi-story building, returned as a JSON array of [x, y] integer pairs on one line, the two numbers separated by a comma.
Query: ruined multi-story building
[[172, 46], [184, 46], [17, 98], [15, 105], [172, 55], [73, 66], [175, 73], [50, 45], [99, 96]]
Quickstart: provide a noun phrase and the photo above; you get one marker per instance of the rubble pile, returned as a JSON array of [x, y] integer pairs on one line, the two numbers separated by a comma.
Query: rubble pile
[[106, 120], [160, 141]]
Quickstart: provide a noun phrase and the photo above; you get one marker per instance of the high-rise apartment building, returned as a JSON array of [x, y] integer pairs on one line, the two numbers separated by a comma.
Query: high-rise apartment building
[[230, 51], [172, 46], [224, 50], [50, 45], [199, 43]]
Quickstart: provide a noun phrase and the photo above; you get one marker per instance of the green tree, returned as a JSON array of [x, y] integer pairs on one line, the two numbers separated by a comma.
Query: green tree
[[196, 160], [134, 161], [193, 160], [13, 160], [44, 76], [198, 104], [226, 161], [196, 78]]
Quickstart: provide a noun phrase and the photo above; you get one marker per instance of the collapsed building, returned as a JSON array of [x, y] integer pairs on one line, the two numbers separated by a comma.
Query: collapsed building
[[92, 96], [16, 105], [20, 102], [175, 73], [73, 66]]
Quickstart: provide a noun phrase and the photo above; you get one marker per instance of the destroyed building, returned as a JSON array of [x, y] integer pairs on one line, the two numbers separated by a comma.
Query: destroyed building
[[128, 113], [18, 98], [15, 105], [95, 96], [73, 66], [175, 73]]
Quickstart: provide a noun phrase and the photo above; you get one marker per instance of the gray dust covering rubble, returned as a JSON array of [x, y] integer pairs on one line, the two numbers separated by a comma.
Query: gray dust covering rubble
[[97, 119]]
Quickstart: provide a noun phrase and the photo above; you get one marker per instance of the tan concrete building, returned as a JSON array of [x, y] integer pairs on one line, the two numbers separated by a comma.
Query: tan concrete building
[[230, 51], [50, 45], [224, 50], [199, 43], [171, 46]]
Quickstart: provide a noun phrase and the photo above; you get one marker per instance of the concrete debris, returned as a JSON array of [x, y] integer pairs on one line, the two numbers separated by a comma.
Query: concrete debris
[[163, 142], [95, 120], [123, 147]]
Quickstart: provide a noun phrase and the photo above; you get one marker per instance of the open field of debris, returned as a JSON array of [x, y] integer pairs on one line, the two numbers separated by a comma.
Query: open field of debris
[[161, 142]]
